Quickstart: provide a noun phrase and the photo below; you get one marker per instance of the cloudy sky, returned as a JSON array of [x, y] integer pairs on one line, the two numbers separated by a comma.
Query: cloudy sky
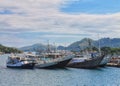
[[25, 22]]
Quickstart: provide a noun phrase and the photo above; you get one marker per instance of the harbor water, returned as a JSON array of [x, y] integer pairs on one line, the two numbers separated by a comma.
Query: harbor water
[[106, 76]]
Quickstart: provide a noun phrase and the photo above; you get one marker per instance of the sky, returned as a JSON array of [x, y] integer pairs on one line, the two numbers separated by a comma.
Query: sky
[[26, 22]]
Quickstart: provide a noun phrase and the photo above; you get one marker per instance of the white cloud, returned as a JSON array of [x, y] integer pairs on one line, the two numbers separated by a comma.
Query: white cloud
[[15, 41], [45, 16]]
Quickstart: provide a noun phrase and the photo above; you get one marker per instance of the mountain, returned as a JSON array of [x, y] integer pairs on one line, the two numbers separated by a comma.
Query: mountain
[[5, 49], [115, 42], [61, 48], [86, 42], [78, 45], [36, 47]]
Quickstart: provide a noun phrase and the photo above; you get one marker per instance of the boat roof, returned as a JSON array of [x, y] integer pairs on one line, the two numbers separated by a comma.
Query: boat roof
[[51, 53]]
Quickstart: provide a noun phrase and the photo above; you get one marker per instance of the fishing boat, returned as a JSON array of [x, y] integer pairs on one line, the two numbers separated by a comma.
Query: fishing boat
[[89, 59], [107, 57], [15, 61], [85, 62], [53, 60], [105, 60]]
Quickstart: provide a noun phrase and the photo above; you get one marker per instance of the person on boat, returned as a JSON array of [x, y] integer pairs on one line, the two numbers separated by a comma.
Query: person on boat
[[93, 54], [16, 60]]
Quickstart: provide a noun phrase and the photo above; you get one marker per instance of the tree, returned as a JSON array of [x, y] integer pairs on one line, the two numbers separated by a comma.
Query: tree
[[106, 50], [9, 49]]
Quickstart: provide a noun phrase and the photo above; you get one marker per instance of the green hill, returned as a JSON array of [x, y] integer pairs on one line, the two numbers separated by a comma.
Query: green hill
[[78, 45], [5, 49]]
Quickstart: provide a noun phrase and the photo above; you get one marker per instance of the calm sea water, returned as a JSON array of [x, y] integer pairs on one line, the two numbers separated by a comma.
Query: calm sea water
[[107, 76]]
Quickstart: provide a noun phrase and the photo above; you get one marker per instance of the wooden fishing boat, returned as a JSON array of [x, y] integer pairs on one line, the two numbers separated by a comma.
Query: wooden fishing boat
[[85, 62], [57, 61]]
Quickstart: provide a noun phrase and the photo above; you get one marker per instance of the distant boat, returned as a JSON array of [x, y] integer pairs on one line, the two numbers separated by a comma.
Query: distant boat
[[105, 60], [85, 62], [56, 60], [15, 61], [1, 53]]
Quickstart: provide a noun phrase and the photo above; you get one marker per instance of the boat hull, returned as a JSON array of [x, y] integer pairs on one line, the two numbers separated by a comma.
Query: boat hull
[[61, 64], [23, 66], [58, 64], [88, 64]]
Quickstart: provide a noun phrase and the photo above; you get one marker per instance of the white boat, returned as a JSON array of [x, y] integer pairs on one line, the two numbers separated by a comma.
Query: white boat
[[15, 61]]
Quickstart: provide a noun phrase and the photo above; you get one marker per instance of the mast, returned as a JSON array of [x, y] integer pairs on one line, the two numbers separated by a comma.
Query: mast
[[65, 48], [89, 50], [55, 48], [99, 47], [89, 44], [48, 50]]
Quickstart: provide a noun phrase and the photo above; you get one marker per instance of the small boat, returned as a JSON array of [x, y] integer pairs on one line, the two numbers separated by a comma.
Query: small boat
[[1, 53], [105, 60], [85, 62], [15, 61], [56, 60], [114, 62]]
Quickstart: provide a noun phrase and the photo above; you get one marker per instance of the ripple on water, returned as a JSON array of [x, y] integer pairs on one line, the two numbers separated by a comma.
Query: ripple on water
[[106, 76]]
